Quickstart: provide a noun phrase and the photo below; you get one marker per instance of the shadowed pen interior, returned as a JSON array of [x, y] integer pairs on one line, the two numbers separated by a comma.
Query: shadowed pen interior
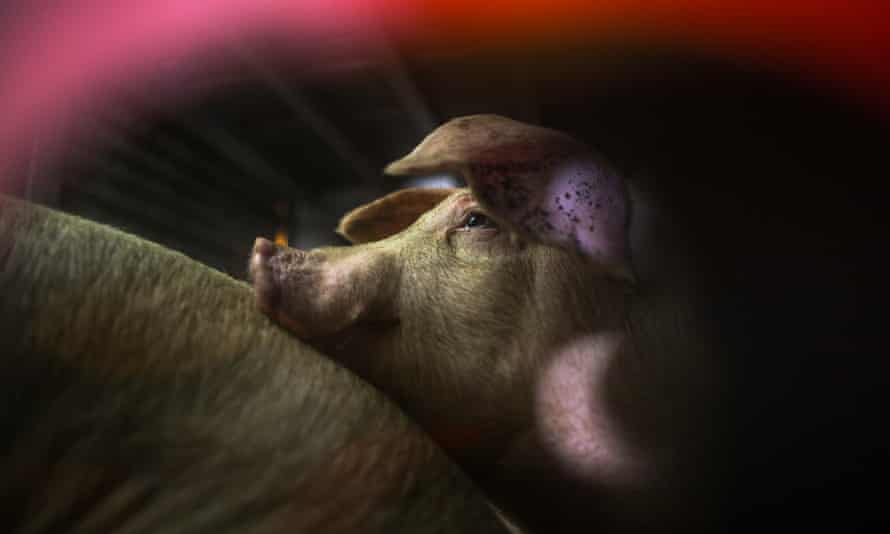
[[686, 187]]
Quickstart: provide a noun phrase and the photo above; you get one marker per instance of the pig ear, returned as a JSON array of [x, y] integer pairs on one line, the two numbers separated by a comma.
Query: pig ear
[[390, 215], [539, 182], [575, 202]]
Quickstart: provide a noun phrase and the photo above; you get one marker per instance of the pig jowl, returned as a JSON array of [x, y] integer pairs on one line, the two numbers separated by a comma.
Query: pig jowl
[[514, 333]]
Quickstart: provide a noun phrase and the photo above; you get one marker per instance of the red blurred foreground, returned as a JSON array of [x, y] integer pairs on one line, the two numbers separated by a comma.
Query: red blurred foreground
[[59, 61]]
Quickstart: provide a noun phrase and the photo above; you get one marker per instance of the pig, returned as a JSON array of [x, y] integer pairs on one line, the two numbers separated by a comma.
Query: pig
[[520, 321], [141, 391]]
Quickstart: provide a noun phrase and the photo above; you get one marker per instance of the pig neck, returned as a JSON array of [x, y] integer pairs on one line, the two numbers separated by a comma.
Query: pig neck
[[619, 424], [574, 447]]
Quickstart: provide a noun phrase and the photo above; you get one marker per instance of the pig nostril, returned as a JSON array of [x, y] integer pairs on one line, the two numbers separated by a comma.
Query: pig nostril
[[264, 247]]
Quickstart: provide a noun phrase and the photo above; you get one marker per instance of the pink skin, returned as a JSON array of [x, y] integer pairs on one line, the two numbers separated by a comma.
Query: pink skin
[[582, 206], [584, 438]]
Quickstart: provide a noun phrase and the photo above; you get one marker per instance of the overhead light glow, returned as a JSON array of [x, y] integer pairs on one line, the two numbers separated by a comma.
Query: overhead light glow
[[436, 181]]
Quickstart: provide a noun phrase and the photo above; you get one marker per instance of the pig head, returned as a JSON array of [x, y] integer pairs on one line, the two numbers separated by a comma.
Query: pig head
[[503, 316]]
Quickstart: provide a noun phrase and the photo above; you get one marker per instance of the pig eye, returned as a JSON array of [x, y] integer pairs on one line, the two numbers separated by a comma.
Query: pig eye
[[478, 220]]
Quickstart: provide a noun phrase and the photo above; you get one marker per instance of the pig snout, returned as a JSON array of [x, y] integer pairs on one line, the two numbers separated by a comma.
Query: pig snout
[[259, 273], [265, 270], [320, 292]]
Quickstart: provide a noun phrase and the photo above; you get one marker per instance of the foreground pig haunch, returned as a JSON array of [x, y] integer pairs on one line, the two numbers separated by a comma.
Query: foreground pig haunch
[[142, 392], [509, 320]]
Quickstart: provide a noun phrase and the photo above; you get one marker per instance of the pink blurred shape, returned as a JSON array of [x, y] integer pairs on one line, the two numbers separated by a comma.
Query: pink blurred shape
[[59, 61]]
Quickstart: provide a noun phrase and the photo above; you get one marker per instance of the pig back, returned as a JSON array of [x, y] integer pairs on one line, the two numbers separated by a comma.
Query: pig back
[[142, 392]]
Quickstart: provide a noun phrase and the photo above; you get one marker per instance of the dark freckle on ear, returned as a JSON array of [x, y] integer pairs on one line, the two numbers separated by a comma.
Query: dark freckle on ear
[[598, 205], [590, 227], [568, 196]]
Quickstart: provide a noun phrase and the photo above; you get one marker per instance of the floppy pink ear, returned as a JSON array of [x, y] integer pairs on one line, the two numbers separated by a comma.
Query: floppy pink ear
[[389, 215], [540, 182]]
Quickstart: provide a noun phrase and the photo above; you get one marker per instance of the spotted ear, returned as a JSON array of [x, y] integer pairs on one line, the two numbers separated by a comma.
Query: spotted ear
[[390, 215], [539, 182]]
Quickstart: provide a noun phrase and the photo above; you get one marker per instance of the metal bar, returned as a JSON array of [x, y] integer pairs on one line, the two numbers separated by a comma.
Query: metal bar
[[306, 113]]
